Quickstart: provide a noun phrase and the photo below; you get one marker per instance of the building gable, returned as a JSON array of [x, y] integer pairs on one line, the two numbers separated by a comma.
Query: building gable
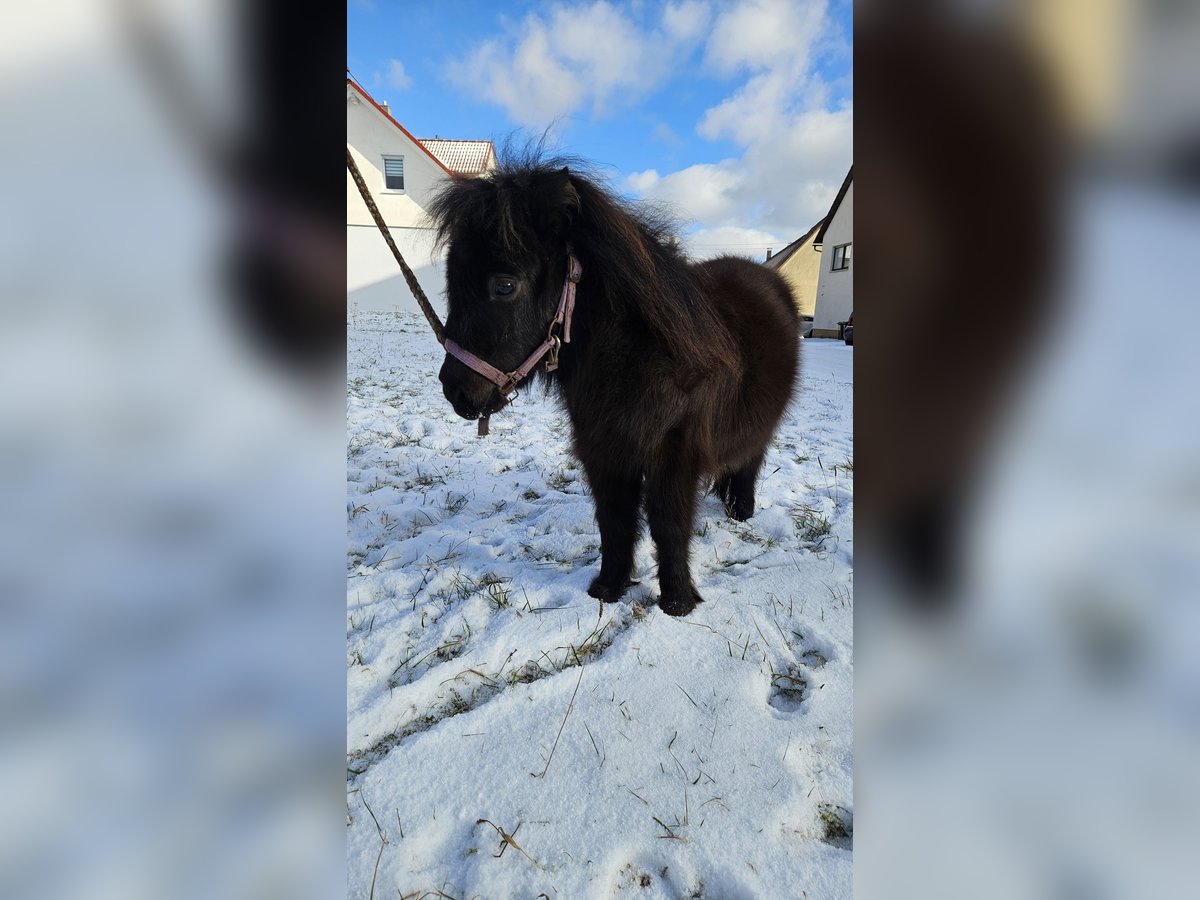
[[819, 240], [378, 144]]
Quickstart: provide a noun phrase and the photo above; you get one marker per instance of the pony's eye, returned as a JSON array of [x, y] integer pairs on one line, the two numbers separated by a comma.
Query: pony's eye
[[503, 286]]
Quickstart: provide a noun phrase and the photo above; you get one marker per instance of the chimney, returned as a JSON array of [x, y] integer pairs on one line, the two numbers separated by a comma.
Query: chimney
[[768, 253], [386, 108]]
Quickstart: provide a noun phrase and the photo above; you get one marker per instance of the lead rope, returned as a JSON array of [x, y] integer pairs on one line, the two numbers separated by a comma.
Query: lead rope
[[413, 285], [506, 382]]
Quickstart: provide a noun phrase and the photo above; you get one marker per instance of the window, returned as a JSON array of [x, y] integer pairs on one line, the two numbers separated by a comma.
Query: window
[[393, 173], [841, 257]]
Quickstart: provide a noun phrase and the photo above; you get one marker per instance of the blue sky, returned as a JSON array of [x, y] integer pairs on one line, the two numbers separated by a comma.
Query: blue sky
[[736, 114]]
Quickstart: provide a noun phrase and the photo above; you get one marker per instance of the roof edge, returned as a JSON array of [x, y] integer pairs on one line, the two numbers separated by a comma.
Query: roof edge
[[788, 251], [819, 240], [408, 134]]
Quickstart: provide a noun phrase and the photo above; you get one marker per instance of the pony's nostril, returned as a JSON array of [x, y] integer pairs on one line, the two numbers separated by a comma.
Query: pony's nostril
[[458, 399]]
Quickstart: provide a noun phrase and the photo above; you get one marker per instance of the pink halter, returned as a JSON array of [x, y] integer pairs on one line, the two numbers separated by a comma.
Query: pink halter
[[507, 381]]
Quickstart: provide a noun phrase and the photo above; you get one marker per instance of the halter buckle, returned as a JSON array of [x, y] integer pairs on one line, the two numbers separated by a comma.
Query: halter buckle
[[552, 354]]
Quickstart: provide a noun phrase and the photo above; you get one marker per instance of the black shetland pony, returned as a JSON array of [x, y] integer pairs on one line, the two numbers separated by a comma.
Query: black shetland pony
[[676, 371]]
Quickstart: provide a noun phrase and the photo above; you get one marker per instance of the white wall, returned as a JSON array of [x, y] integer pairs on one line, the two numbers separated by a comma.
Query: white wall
[[374, 280], [835, 290], [371, 137]]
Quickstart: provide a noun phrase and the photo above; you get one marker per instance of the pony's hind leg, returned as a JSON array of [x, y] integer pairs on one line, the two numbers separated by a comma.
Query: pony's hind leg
[[736, 489], [617, 497]]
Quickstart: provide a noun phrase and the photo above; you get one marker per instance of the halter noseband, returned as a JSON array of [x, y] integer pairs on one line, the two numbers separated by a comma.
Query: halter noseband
[[507, 381]]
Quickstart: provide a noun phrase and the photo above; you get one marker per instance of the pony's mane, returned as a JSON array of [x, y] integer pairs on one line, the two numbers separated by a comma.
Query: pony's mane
[[628, 248]]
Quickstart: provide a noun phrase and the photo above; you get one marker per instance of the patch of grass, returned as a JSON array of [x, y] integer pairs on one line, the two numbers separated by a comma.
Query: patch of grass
[[428, 479], [493, 586], [811, 526], [788, 688], [531, 671], [837, 825], [599, 640], [842, 598], [559, 481], [457, 704], [497, 590]]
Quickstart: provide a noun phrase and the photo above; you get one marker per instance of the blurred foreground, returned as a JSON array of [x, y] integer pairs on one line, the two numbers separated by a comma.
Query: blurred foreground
[[171, 633], [1028, 527]]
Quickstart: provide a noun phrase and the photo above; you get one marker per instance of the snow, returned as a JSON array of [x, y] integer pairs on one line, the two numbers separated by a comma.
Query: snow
[[708, 756]]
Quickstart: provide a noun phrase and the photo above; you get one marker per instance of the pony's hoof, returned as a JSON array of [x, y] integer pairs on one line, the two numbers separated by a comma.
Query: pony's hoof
[[740, 510], [679, 604], [608, 593]]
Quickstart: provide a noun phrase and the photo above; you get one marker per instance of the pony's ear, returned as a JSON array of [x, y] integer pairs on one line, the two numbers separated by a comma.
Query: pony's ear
[[566, 199]]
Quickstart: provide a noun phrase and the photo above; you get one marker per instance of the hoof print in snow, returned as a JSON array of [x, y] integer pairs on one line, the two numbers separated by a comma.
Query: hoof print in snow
[[837, 825], [789, 689], [632, 876], [814, 659]]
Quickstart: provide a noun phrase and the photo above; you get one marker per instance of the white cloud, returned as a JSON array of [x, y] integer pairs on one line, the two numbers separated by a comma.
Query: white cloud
[[396, 76], [685, 22], [765, 33], [795, 146], [703, 193], [597, 55], [781, 184], [706, 243]]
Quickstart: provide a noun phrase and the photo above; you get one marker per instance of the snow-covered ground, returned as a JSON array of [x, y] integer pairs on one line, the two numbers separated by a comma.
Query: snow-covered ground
[[625, 753]]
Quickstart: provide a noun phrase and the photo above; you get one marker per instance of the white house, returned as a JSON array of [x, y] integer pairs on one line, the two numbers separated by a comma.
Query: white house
[[402, 173], [835, 284]]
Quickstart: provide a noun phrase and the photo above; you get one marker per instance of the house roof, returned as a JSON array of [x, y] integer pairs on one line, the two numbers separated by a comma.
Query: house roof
[[837, 201], [383, 112], [783, 255], [463, 157]]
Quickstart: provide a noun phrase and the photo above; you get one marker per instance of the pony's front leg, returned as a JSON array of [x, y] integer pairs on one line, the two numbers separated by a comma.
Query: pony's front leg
[[671, 510], [617, 496]]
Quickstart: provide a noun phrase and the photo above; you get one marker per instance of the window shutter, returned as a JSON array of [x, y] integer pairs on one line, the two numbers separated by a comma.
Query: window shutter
[[393, 173]]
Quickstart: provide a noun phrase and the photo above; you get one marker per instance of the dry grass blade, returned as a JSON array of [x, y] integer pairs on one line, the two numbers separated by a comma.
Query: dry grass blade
[[599, 755], [562, 726], [506, 840], [375, 874], [689, 696], [382, 842], [670, 835]]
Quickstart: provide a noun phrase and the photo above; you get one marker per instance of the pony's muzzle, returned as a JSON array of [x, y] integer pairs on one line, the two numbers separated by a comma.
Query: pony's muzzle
[[469, 393]]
